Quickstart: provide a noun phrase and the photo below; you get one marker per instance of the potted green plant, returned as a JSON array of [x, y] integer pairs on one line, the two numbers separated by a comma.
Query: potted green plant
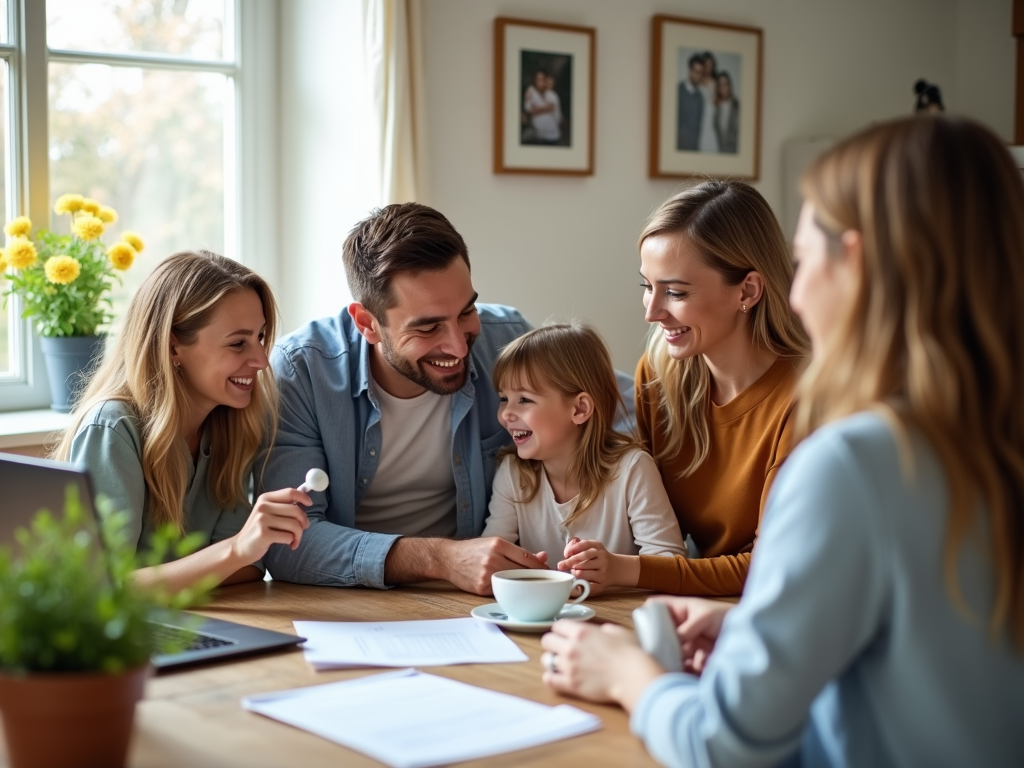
[[64, 284], [75, 640]]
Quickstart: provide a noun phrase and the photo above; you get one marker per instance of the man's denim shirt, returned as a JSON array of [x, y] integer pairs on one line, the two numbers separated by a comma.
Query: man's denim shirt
[[330, 419]]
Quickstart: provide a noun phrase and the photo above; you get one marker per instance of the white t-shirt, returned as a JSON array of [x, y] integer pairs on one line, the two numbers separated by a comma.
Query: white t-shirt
[[545, 124], [413, 491], [708, 141], [631, 516]]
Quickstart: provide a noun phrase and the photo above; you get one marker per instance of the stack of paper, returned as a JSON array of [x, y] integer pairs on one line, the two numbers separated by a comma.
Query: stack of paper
[[409, 719], [338, 644]]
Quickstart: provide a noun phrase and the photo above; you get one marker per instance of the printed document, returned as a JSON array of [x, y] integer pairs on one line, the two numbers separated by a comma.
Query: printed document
[[338, 644], [410, 719]]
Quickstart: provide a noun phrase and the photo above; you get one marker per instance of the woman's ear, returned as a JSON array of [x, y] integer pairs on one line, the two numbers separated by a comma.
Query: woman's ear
[[366, 323], [174, 350], [582, 409], [853, 249], [751, 290]]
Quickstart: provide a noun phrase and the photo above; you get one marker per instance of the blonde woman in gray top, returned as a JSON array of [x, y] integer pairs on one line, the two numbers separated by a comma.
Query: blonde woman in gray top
[[170, 424]]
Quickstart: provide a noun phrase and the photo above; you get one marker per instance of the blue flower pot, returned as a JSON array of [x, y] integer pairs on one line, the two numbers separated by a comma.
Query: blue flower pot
[[70, 360]]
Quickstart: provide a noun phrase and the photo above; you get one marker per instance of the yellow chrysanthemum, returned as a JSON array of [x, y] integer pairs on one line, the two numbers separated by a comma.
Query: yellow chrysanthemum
[[121, 254], [21, 252], [134, 241], [90, 206], [3, 261], [62, 269], [19, 227], [68, 204], [107, 214], [87, 227]]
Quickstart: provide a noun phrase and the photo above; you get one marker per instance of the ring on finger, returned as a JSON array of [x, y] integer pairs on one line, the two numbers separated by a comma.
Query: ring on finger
[[547, 660]]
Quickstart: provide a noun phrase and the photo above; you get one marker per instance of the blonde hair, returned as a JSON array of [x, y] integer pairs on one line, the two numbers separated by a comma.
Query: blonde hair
[[930, 340], [735, 232], [179, 298], [569, 358]]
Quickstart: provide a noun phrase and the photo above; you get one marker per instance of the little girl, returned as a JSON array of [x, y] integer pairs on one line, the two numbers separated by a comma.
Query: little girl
[[571, 478]]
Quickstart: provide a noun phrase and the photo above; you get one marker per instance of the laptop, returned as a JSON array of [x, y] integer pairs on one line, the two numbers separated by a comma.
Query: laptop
[[29, 485]]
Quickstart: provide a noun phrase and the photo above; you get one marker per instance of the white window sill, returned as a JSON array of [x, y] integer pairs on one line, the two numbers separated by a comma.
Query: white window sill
[[19, 429]]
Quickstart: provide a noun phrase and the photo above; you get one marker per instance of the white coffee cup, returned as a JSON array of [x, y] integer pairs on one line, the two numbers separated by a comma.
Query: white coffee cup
[[535, 594]]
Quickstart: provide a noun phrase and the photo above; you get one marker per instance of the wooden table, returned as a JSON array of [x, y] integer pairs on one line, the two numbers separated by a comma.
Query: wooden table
[[193, 717]]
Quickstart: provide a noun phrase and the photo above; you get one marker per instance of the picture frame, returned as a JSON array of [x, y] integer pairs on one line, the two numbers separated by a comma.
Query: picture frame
[[543, 97], [705, 125]]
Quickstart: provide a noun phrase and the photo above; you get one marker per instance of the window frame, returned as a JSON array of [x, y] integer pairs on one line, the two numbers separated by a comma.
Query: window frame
[[250, 131]]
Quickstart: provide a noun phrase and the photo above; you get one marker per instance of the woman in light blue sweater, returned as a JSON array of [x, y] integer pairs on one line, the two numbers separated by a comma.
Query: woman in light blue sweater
[[883, 618]]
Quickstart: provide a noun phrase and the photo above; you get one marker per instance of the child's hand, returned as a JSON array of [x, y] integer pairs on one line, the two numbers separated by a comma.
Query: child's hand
[[591, 561]]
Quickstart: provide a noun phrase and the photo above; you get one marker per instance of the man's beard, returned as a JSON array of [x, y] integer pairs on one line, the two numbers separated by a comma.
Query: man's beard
[[415, 371]]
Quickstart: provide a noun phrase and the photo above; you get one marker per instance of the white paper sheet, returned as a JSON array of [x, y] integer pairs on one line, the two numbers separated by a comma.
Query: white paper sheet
[[338, 644], [410, 719]]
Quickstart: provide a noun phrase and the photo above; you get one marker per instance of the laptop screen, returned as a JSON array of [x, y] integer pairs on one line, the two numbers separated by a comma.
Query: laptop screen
[[28, 485]]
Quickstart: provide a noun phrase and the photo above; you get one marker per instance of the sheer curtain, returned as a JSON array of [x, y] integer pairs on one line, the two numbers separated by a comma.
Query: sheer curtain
[[392, 50], [349, 137]]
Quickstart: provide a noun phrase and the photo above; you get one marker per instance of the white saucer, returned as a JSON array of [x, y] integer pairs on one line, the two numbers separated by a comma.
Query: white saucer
[[493, 613]]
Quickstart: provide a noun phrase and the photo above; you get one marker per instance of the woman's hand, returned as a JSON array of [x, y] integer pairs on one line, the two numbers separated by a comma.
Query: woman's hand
[[698, 624], [276, 518], [591, 561], [602, 664]]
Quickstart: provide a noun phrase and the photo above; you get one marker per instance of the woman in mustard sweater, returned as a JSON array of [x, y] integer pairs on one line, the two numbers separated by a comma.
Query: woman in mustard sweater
[[714, 390]]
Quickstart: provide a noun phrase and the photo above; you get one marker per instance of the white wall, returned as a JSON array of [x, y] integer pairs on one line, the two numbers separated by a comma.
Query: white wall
[[321, 90], [985, 64], [561, 247], [566, 246]]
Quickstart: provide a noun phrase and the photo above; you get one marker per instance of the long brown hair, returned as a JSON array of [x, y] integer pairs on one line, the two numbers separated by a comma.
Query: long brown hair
[[569, 358], [735, 231], [933, 338], [179, 298]]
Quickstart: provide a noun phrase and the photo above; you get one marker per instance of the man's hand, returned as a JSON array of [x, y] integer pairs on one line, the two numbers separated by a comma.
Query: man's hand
[[468, 564]]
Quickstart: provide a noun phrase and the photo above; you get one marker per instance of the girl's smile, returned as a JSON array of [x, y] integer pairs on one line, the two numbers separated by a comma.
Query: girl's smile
[[540, 422]]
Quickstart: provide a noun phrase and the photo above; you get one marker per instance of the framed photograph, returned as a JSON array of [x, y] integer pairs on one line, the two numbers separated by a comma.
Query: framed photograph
[[543, 98], [705, 99]]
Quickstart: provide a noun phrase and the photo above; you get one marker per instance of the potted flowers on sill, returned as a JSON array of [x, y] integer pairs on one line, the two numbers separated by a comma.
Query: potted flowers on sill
[[64, 282]]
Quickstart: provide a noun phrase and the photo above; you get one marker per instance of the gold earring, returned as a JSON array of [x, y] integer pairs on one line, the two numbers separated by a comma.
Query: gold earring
[[743, 307]]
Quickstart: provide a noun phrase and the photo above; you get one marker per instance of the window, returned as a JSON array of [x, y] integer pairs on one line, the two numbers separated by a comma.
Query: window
[[137, 103], [10, 357]]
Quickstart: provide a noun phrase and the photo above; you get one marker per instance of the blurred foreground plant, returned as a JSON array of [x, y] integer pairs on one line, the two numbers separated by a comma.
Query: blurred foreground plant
[[69, 603]]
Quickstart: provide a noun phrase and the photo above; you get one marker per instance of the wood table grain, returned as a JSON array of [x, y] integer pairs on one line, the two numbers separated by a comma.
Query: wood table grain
[[193, 717]]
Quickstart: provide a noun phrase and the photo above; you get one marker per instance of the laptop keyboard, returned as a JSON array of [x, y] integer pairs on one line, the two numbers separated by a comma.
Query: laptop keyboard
[[195, 641]]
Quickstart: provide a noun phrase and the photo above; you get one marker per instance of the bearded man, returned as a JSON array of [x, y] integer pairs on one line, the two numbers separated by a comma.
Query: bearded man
[[393, 398]]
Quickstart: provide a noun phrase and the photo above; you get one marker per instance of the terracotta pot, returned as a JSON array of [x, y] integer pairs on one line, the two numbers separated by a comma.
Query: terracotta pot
[[70, 719]]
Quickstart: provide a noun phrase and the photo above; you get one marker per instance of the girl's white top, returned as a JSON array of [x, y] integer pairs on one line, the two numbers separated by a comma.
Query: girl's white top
[[631, 516]]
